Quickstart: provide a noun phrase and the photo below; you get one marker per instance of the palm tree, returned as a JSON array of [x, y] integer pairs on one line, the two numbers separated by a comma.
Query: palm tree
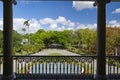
[[27, 24], [23, 29]]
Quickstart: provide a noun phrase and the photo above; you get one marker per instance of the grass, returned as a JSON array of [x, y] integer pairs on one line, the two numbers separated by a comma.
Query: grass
[[55, 54]]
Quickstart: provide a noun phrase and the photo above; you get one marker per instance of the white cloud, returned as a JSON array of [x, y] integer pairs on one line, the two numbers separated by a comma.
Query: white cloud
[[60, 24], [62, 20], [61, 28], [114, 23], [47, 21], [69, 28], [80, 5], [55, 24], [71, 24], [1, 24], [116, 11], [18, 25], [34, 25], [84, 26]]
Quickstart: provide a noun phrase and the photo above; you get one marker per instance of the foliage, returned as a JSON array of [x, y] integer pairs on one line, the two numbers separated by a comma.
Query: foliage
[[86, 40], [112, 39], [17, 38], [1, 42], [81, 41]]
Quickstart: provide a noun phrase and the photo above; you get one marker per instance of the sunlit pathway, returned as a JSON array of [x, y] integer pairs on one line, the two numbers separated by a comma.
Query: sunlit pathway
[[61, 51]]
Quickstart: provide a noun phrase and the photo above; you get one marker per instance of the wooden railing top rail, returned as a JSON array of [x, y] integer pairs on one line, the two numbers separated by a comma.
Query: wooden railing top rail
[[60, 56]]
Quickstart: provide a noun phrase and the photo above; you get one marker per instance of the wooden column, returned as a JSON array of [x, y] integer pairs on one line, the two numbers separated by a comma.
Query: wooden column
[[8, 40], [101, 36]]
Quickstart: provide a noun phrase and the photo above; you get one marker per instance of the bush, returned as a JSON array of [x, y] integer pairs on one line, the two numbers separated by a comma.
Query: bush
[[72, 49]]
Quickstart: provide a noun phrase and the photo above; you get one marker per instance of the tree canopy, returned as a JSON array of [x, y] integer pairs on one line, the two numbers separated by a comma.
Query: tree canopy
[[78, 41]]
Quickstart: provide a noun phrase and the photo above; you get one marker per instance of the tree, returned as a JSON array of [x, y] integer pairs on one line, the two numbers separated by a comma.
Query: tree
[[1, 42], [112, 40], [87, 38], [24, 29], [27, 24], [17, 38]]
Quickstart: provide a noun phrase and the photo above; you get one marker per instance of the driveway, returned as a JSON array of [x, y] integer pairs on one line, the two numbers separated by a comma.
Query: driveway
[[61, 51]]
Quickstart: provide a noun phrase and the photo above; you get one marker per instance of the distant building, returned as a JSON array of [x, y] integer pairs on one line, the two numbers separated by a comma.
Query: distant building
[[24, 41], [55, 45]]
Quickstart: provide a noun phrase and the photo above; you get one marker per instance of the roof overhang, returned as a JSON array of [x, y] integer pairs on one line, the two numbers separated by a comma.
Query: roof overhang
[[65, 0]]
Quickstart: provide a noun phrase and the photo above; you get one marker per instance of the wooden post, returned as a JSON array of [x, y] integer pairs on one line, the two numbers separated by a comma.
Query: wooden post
[[101, 36], [8, 40]]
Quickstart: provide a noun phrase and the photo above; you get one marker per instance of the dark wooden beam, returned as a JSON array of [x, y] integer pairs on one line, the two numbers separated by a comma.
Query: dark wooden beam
[[101, 37], [8, 40], [66, 0]]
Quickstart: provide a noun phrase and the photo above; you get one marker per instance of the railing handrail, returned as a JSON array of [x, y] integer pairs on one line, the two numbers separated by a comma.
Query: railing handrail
[[112, 56], [61, 56], [54, 56], [62, 64]]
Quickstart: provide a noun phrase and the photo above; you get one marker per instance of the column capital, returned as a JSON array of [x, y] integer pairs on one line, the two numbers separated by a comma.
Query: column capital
[[13, 1], [101, 1]]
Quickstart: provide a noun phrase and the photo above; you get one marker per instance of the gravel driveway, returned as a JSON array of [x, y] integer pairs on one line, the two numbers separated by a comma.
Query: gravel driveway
[[61, 51]]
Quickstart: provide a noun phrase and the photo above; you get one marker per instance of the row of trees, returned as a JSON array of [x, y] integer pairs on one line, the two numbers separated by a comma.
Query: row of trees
[[79, 41]]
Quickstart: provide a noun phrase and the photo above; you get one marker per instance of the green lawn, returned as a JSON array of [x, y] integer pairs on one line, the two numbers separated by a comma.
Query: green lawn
[[55, 54]]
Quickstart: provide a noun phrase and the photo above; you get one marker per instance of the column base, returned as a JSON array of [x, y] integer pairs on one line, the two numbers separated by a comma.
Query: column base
[[10, 77], [99, 77]]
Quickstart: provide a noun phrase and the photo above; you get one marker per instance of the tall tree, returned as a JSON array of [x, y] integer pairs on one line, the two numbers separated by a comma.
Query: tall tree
[[27, 24]]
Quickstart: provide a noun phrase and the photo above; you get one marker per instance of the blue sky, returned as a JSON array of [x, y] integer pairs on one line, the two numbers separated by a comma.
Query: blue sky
[[60, 15], [53, 9]]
